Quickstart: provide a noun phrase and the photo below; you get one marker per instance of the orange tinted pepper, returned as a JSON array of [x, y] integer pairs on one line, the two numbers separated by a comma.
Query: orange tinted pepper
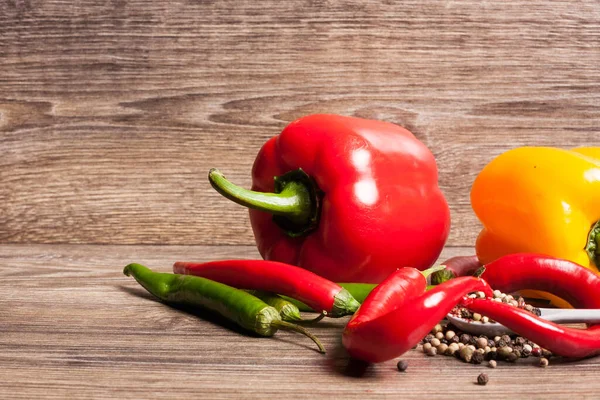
[[540, 200]]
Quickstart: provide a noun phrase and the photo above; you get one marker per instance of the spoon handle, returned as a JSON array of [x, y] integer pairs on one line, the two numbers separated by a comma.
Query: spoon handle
[[571, 315]]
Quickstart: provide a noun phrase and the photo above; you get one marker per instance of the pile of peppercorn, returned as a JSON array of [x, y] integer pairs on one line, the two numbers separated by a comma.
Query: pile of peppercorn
[[449, 341]]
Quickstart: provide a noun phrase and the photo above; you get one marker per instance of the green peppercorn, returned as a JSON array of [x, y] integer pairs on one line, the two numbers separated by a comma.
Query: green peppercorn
[[466, 353], [517, 352], [504, 351]]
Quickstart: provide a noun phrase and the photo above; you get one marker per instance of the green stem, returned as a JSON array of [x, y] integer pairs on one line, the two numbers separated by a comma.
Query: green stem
[[314, 320], [431, 270], [294, 205], [593, 244], [293, 327]]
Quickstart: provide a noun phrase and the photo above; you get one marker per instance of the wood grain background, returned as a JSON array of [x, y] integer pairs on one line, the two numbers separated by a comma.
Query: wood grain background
[[112, 112]]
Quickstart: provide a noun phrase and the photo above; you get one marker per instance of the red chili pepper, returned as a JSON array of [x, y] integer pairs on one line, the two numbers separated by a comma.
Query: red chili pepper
[[570, 281], [456, 266], [317, 292], [564, 341], [398, 314], [352, 199]]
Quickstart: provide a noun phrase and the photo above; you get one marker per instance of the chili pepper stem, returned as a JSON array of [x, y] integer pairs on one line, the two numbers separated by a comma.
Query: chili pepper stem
[[593, 244], [294, 205], [293, 327], [313, 320], [431, 270], [343, 304]]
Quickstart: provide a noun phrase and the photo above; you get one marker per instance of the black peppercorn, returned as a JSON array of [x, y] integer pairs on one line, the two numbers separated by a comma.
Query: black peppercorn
[[402, 365], [483, 379], [477, 358], [465, 338], [520, 341]]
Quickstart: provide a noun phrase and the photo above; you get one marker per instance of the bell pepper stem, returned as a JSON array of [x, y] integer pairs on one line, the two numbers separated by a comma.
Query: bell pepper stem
[[593, 244], [294, 205]]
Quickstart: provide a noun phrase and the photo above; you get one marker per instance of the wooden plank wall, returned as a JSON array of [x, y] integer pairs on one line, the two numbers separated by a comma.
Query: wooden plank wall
[[111, 113]]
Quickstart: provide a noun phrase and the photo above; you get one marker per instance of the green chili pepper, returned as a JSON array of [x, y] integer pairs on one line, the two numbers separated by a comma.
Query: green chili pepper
[[286, 309], [241, 307]]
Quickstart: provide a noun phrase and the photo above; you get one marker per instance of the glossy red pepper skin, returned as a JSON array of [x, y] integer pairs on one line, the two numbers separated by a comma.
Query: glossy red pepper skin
[[381, 206], [560, 340], [572, 282], [317, 292], [376, 334], [405, 283]]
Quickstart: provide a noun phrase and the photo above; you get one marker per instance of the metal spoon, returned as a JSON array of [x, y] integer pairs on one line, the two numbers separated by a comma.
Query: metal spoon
[[558, 315]]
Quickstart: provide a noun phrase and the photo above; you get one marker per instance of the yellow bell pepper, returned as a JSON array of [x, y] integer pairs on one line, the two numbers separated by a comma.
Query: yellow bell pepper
[[540, 200]]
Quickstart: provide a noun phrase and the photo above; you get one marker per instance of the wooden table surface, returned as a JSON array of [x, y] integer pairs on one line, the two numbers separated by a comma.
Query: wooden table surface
[[111, 114], [74, 326]]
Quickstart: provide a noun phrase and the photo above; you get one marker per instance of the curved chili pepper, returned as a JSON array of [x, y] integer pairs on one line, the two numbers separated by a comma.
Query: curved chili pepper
[[456, 266], [298, 283], [564, 341], [247, 311], [359, 291], [570, 281], [378, 333]]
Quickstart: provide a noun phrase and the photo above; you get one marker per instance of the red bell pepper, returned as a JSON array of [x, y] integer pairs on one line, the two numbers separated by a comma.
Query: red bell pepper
[[352, 199]]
